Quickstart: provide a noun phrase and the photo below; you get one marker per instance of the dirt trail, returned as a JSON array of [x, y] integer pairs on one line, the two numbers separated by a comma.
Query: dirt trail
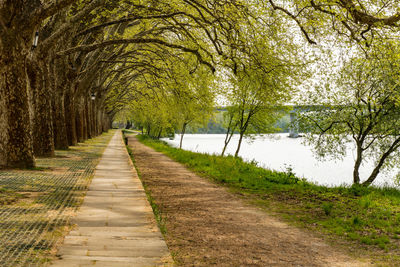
[[207, 225]]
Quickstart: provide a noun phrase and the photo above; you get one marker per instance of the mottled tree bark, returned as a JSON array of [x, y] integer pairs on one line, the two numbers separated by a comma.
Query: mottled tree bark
[[99, 124], [60, 85], [42, 126], [60, 130], [88, 117], [3, 124], [79, 121], [103, 123], [84, 119], [16, 145], [34, 115], [94, 118], [70, 124]]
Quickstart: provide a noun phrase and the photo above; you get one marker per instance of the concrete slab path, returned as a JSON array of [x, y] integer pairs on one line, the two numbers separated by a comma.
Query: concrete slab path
[[115, 224]]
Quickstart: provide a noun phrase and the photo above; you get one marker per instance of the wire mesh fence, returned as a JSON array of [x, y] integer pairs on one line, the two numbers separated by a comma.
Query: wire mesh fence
[[41, 202]]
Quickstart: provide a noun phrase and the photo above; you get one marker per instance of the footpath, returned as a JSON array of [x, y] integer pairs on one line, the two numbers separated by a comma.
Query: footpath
[[115, 225], [207, 225]]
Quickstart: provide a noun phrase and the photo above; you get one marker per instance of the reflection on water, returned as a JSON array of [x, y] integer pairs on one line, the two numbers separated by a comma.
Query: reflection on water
[[278, 152]]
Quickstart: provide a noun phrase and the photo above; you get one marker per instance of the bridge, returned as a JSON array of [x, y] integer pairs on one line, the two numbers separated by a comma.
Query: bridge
[[294, 110]]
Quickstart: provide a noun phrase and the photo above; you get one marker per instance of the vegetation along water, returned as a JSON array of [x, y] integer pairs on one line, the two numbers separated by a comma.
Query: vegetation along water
[[365, 218]]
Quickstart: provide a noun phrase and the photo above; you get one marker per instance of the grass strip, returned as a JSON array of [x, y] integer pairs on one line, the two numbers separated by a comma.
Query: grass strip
[[157, 213], [365, 220]]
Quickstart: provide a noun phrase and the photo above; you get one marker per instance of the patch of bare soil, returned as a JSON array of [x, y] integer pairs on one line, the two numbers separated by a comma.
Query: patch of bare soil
[[207, 225]]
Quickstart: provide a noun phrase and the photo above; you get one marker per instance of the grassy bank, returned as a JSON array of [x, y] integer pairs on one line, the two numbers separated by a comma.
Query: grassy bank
[[362, 219]]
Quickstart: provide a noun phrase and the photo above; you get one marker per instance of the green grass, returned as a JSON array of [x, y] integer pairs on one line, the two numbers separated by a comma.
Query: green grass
[[157, 213], [367, 219], [8, 197]]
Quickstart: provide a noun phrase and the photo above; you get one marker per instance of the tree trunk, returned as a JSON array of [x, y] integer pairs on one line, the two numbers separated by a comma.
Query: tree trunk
[[227, 140], [60, 85], [16, 144], [60, 130], [103, 122], [42, 126], [182, 134], [85, 119], [89, 118], [229, 134], [148, 129], [239, 144], [79, 122], [159, 133], [356, 171], [99, 124], [375, 172], [110, 122], [94, 118], [70, 118], [372, 177]]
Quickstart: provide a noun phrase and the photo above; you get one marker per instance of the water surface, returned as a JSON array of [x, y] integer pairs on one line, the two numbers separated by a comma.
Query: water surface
[[278, 152]]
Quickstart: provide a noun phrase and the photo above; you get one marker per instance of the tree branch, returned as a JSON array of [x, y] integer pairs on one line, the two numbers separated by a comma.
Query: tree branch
[[100, 26], [287, 12], [362, 17], [50, 9], [89, 48], [67, 25]]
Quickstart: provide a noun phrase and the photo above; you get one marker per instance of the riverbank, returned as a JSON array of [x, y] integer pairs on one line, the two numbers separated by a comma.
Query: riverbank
[[364, 220], [207, 225], [278, 152]]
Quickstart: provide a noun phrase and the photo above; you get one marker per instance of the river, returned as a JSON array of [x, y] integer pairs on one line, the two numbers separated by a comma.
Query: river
[[278, 152]]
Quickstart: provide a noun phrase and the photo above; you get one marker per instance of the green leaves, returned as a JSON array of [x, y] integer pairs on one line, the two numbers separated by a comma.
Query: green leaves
[[364, 109]]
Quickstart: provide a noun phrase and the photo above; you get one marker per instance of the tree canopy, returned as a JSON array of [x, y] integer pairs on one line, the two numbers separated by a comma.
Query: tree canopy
[[68, 68], [361, 106]]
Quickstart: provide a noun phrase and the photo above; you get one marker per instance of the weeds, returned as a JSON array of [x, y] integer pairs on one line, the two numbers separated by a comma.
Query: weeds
[[327, 207]]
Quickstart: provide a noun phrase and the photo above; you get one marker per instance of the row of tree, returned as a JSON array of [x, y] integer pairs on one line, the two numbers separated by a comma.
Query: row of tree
[[55, 56], [359, 92], [157, 60]]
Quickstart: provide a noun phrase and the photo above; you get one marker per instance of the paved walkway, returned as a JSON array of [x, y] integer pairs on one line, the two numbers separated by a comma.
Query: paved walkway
[[115, 225]]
